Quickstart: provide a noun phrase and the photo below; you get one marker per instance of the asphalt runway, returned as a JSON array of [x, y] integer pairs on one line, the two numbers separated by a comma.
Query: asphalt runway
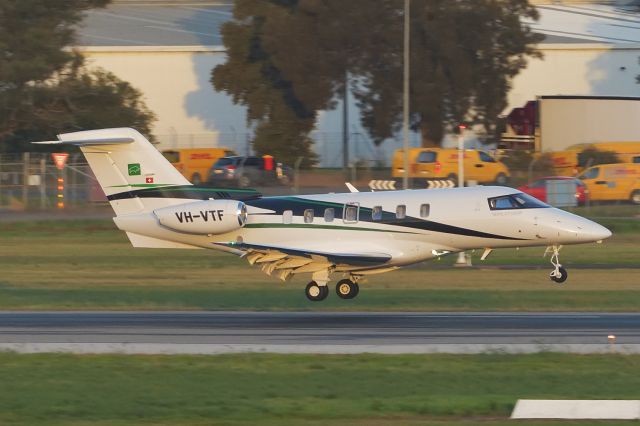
[[317, 332]]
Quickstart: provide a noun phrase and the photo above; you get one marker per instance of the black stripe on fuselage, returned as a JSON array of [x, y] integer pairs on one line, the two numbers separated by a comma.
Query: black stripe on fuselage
[[278, 205]]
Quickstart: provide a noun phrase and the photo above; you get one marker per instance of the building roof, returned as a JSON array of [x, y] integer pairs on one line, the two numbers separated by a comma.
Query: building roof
[[154, 25], [588, 23], [198, 24]]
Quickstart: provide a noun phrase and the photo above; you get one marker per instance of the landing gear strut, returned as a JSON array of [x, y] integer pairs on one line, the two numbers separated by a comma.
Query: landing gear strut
[[559, 274], [315, 292], [347, 289]]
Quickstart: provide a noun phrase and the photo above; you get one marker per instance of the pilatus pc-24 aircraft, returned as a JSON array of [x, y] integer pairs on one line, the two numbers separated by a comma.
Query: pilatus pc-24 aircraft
[[350, 235]]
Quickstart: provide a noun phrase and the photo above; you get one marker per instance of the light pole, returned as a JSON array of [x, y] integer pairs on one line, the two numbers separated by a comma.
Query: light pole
[[405, 102], [461, 128], [462, 260]]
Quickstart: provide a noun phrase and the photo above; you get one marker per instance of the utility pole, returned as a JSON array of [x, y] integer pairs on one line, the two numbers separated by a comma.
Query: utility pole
[[405, 101], [345, 124], [461, 129]]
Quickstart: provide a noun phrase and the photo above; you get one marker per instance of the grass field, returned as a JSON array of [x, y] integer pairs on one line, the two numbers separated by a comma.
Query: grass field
[[90, 265], [299, 389]]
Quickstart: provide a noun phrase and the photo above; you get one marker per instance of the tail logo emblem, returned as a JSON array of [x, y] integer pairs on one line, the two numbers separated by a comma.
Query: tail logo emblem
[[134, 169], [148, 180]]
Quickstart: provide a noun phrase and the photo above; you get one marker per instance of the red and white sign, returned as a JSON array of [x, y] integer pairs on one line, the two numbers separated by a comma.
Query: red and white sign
[[60, 158], [148, 180]]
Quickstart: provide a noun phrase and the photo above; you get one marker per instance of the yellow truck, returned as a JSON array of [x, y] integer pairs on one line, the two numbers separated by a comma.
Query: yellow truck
[[439, 163], [613, 182], [195, 163], [570, 162]]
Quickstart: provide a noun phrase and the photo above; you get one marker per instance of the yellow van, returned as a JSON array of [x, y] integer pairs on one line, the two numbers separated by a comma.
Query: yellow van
[[613, 182], [570, 162], [438, 163], [195, 163]]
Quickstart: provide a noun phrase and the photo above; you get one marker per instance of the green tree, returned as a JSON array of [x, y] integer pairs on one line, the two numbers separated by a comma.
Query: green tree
[[44, 86], [288, 59]]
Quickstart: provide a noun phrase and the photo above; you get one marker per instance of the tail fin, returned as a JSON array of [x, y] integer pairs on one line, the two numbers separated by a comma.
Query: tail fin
[[123, 160]]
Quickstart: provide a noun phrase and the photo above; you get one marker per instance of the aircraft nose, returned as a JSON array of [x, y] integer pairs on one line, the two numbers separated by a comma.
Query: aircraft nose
[[592, 231]]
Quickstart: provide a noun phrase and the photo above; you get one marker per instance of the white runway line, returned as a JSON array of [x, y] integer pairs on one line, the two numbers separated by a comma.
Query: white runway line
[[576, 409], [216, 349]]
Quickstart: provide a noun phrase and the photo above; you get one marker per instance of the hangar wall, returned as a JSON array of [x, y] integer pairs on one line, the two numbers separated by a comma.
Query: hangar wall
[[578, 69], [175, 84]]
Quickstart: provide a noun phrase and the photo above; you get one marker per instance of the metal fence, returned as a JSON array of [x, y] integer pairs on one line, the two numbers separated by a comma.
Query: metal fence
[[32, 181]]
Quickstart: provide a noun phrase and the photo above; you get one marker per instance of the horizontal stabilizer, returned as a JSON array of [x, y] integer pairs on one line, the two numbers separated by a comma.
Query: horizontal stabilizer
[[86, 142], [142, 241]]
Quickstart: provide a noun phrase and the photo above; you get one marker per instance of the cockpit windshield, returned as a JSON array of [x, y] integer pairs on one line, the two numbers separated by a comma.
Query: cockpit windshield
[[515, 201]]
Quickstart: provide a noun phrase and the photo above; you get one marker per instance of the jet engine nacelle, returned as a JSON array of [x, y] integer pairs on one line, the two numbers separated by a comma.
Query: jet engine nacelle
[[204, 217]]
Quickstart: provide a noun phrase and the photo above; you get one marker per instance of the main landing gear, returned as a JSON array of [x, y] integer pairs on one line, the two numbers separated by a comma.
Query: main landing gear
[[559, 274], [345, 289], [316, 292]]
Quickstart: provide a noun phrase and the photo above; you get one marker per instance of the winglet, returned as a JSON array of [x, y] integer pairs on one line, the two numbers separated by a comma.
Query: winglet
[[351, 187]]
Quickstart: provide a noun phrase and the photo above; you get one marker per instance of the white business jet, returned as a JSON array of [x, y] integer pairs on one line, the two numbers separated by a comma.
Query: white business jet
[[353, 234]]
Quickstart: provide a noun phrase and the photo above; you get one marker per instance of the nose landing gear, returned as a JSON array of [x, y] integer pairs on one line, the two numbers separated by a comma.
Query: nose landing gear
[[559, 274]]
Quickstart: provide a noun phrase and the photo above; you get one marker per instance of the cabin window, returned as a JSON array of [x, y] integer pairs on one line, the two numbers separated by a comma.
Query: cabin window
[[308, 216], [350, 213], [515, 201], [425, 210], [329, 214], [401, 211], [287, 216], [376, 213]]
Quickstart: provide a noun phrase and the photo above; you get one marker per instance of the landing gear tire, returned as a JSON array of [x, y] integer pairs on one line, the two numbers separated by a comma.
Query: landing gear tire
[[347, 289], [315, 292], [559, 276]]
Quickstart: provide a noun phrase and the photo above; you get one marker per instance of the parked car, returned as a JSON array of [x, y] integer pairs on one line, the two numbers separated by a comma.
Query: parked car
[[249, 171], [438, 163], [538, 188], [613, 182]]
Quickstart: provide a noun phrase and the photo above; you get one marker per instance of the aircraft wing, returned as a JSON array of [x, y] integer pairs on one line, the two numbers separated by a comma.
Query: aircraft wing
[[286, 261]]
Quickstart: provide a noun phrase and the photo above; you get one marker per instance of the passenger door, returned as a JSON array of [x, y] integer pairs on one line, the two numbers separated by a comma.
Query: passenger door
[[351, 213]]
